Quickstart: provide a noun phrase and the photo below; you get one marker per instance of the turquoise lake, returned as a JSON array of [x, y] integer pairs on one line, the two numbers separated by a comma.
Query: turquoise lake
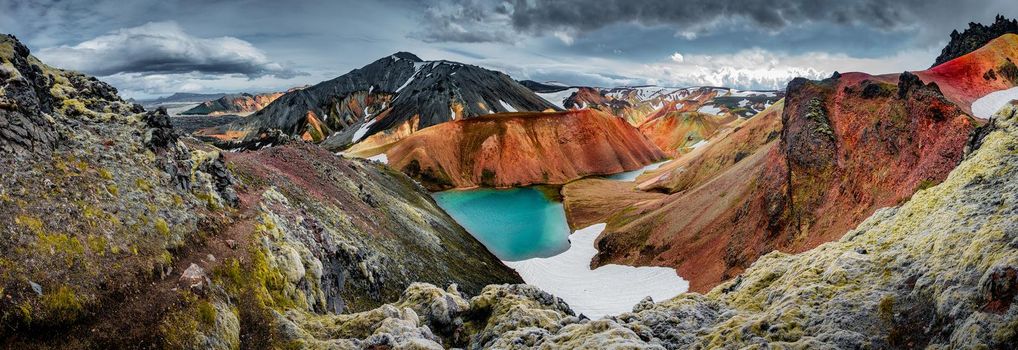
[[515, 224]]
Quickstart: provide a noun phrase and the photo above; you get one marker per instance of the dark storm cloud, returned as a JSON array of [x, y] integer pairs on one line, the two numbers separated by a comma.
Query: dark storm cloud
[[690, 18], [164, 48]]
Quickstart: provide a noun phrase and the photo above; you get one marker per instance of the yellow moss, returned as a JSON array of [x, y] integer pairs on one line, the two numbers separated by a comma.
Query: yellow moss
[[33, 224], [97, 244], [161, 227], [178, 330], [209, 199], [75, 106], [166, 258], [207, 313], [61, 243], [105, 174], [62, 305], [143, 185], [25, 309], [113, 189]]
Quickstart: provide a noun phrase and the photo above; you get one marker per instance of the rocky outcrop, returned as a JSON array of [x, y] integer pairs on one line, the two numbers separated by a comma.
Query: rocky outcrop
[[976, 36], [398, 91], [120, 233], [370, 230], [844, 147], [988, 69], [94, 198], [935, 272], [242, 104], [840, 152], [519, 149]]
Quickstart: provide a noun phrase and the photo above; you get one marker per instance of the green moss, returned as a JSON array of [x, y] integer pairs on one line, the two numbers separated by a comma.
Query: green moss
[[209, 199], [97, 244], [926, 183], [207, 313], [143, 185], [60, 243], [885, 309], [179, 330], [31, 223], [105, 174], [62, 305], [161, 227]]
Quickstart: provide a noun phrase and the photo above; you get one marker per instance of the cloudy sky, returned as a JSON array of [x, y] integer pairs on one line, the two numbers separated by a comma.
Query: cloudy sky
[[156, 47]]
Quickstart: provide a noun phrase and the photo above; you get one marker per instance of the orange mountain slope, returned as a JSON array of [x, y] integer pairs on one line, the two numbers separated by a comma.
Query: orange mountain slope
[[843, 147], [518, 149], [969, 77], [678, 132]]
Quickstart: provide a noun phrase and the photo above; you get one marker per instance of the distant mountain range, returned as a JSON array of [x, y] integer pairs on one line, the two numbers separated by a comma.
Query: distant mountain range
[[397, 94], [243, 103], [181, 97]]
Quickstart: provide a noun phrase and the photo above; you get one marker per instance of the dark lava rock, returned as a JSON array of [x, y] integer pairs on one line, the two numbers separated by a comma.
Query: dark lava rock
[[161, 133], [24, 128], [975, 37]]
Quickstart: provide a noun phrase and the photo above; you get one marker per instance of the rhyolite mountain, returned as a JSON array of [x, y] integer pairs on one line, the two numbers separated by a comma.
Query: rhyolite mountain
[[677, 120], [397, 92], [801, 174], [522, 149], [637, 103], [975, 37], [243, 103], [119, 233]]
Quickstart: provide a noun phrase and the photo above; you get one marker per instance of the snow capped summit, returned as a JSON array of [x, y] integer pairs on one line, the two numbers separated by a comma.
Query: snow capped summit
[[399, 91]]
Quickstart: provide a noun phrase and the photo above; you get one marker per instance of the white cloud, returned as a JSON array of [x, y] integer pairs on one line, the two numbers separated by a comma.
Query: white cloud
[[163, 48], [144, 86], [677, 57], [565, 37], [762, 69]]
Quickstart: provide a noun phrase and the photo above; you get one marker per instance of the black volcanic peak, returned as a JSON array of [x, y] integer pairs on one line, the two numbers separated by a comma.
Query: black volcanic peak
[[543, 88], [976, 36], [407, 56], [402, 89]]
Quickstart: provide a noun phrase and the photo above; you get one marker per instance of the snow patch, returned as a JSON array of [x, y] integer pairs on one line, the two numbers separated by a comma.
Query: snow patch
[[558, 98], [382, 158], [986, 106], [363, 130], [607, 290], [632, 175], [507, 106], [709, 109], [699, 144]]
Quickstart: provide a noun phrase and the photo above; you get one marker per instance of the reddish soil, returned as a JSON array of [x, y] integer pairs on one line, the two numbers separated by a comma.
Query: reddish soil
[[519, 149], [846, 147]]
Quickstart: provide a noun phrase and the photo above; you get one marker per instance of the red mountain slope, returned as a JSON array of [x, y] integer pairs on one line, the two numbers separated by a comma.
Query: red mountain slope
[[516, 149]]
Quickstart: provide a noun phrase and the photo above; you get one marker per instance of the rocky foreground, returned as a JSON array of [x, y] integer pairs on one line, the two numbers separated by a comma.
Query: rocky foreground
[[940, 271], [119, 233]]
